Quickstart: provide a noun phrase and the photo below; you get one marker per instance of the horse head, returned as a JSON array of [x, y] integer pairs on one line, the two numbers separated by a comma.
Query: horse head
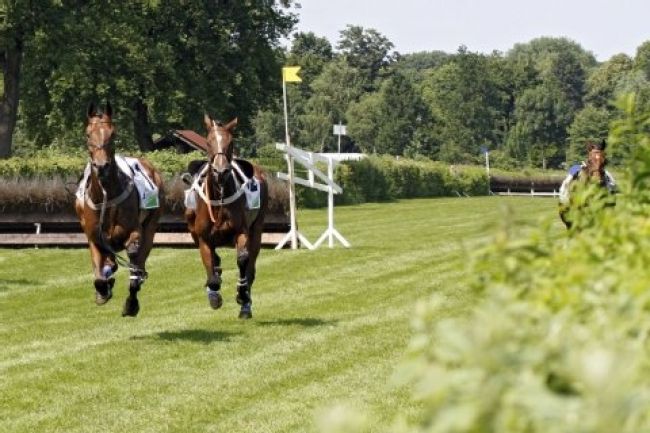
[[596, 160], [99, 134], [220, 150]]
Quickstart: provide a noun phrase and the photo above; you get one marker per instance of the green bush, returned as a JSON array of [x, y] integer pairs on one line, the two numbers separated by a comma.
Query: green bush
[[376, 179]]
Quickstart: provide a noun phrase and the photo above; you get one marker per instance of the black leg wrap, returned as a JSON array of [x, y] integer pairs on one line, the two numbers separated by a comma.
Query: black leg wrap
[[243, 292], [103, 292], [101, 286], [214, 282]]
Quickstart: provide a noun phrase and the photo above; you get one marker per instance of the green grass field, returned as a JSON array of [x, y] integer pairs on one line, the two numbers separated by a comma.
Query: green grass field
[[330, 327]]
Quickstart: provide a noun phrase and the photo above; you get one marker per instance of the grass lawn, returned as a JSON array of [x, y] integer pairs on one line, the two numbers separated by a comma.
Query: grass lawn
[[330, 327]]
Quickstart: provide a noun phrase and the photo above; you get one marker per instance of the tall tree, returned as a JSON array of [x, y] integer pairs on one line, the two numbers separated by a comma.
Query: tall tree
[[603, 81], [19, 20], [549, 76], [395, 120], [164, 63], [470, 104], [312, 53], [368, 51]]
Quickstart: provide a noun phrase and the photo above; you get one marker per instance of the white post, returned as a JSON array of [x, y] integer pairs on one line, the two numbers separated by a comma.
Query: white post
[[331, 232], [330, 199], [292, 190], [293, 234]]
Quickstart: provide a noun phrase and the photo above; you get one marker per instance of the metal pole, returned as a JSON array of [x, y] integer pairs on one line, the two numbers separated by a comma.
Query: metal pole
[[292, 192]]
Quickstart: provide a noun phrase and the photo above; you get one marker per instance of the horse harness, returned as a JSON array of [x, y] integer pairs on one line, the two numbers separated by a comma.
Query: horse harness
[[136, 272]]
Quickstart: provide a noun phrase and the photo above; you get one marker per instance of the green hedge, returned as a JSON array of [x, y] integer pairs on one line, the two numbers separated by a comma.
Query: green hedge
[[373, 179]]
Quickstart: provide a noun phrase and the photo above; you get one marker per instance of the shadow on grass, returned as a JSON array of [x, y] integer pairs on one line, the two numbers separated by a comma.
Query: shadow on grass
[[306, 322], [194, 335], [5, 283]]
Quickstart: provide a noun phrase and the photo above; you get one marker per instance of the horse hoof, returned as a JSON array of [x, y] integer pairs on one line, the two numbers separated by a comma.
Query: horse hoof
[[246, 312], [131, 307], [215, 299], [102, 299]]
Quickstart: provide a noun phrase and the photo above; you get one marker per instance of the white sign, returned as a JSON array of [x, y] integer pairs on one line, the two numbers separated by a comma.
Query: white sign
[[340, 130]]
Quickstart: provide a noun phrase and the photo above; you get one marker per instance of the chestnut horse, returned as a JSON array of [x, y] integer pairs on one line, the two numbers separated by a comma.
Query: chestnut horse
[[591, 172], [109, 209], [223, 215]]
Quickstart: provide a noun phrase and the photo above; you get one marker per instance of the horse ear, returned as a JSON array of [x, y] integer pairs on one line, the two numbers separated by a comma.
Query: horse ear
[[91, 110], [603, 144], [109, 109], [231, 125], [207, 121]]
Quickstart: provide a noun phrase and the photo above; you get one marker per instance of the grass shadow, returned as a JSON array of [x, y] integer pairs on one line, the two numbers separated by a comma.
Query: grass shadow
[[306, 322], [193, 335], [5, 283]]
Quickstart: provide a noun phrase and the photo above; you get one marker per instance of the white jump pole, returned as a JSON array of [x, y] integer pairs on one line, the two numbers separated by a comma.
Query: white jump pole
[[331, 232], [293, 234]]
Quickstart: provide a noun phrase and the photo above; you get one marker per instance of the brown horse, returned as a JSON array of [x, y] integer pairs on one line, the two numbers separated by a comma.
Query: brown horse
[[224, 216], [590, 172], [109, 208]]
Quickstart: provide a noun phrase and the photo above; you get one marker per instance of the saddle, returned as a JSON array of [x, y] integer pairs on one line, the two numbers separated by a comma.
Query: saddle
[[133, 170]]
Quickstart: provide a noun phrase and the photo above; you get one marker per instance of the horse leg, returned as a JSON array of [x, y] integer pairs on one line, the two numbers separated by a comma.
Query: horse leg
[[255, 242], [211, 262], [243, 288], [137, 251], [103, 275]]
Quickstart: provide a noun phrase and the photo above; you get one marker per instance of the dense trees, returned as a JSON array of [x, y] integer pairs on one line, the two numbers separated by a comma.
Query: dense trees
[[163, 63]]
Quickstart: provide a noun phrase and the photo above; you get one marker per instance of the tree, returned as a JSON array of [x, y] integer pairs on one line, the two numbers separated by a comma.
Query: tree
[[590, 124], [642, 59], [392, 121], [19, 20], [469, 104], [162, 63], [603, 81], [368, 51], [312, 54], [549, 77]]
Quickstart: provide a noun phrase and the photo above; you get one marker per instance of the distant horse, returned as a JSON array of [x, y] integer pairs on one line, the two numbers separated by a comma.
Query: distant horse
[[230, 198], [111, 210], [591, 172]]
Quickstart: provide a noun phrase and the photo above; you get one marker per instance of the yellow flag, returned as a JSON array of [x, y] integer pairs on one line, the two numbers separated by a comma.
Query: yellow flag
[[290, 74]]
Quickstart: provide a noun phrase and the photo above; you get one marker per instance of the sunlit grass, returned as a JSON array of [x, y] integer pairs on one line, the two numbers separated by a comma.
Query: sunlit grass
[[330, 326]]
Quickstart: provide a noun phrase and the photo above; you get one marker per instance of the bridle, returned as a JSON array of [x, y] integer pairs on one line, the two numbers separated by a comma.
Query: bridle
[[126, 190]]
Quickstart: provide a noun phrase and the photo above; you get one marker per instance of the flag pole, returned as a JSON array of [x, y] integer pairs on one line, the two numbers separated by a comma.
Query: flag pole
[[292, 191]]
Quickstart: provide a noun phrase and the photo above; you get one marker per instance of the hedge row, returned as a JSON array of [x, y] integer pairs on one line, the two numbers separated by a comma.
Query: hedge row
[[373, 179], [49, 165]]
